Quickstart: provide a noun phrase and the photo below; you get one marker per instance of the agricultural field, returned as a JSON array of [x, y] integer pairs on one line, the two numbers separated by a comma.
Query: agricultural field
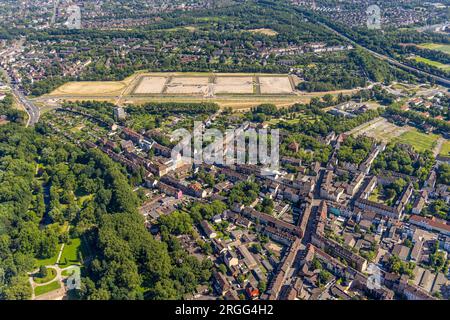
[[436, 46]]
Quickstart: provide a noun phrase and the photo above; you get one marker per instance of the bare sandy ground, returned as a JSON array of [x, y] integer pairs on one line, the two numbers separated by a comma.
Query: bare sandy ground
[[181, 89], [90, 88], [189, 81], [233, 85], [275, 85], [380, 129], [150, 85]]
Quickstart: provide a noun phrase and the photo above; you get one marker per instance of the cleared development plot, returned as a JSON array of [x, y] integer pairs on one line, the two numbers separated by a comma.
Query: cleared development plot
[[380, 129], [383, 130], [275, 85], [239, 91], [200, 90], [90, 88], [187, 85], [150, 85], [233, 85], [188, 81], [178, 84]]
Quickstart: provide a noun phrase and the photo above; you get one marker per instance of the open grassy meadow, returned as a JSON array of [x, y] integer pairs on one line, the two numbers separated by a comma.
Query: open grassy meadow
[[436, 46], [420, 141], [445, 67], [445, 150]]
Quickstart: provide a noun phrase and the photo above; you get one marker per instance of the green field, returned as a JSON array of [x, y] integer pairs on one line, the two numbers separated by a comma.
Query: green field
[[68, 273], [420, 141], [47, 288], [48, 261], [51, 274], [436, 46], [70, 253], [445, 150], [445, 67]]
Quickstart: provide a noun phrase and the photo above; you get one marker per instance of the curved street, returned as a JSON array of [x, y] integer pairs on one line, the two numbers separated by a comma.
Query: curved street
[[31, 109]]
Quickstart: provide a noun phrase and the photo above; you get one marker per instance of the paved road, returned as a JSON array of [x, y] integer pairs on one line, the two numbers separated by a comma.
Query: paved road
[[32, 110], [441, 80]]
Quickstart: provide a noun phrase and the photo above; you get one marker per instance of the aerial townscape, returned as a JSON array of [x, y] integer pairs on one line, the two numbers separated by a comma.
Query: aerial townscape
[[94, 205]]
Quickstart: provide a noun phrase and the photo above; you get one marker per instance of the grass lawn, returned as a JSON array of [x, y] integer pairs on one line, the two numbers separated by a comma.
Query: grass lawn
[[378, 196], [51, 274], [445, 67], [70, 253], [47, 288], [68, 273], [445, 150], [48, 261], [420, 141], [436, 46]]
